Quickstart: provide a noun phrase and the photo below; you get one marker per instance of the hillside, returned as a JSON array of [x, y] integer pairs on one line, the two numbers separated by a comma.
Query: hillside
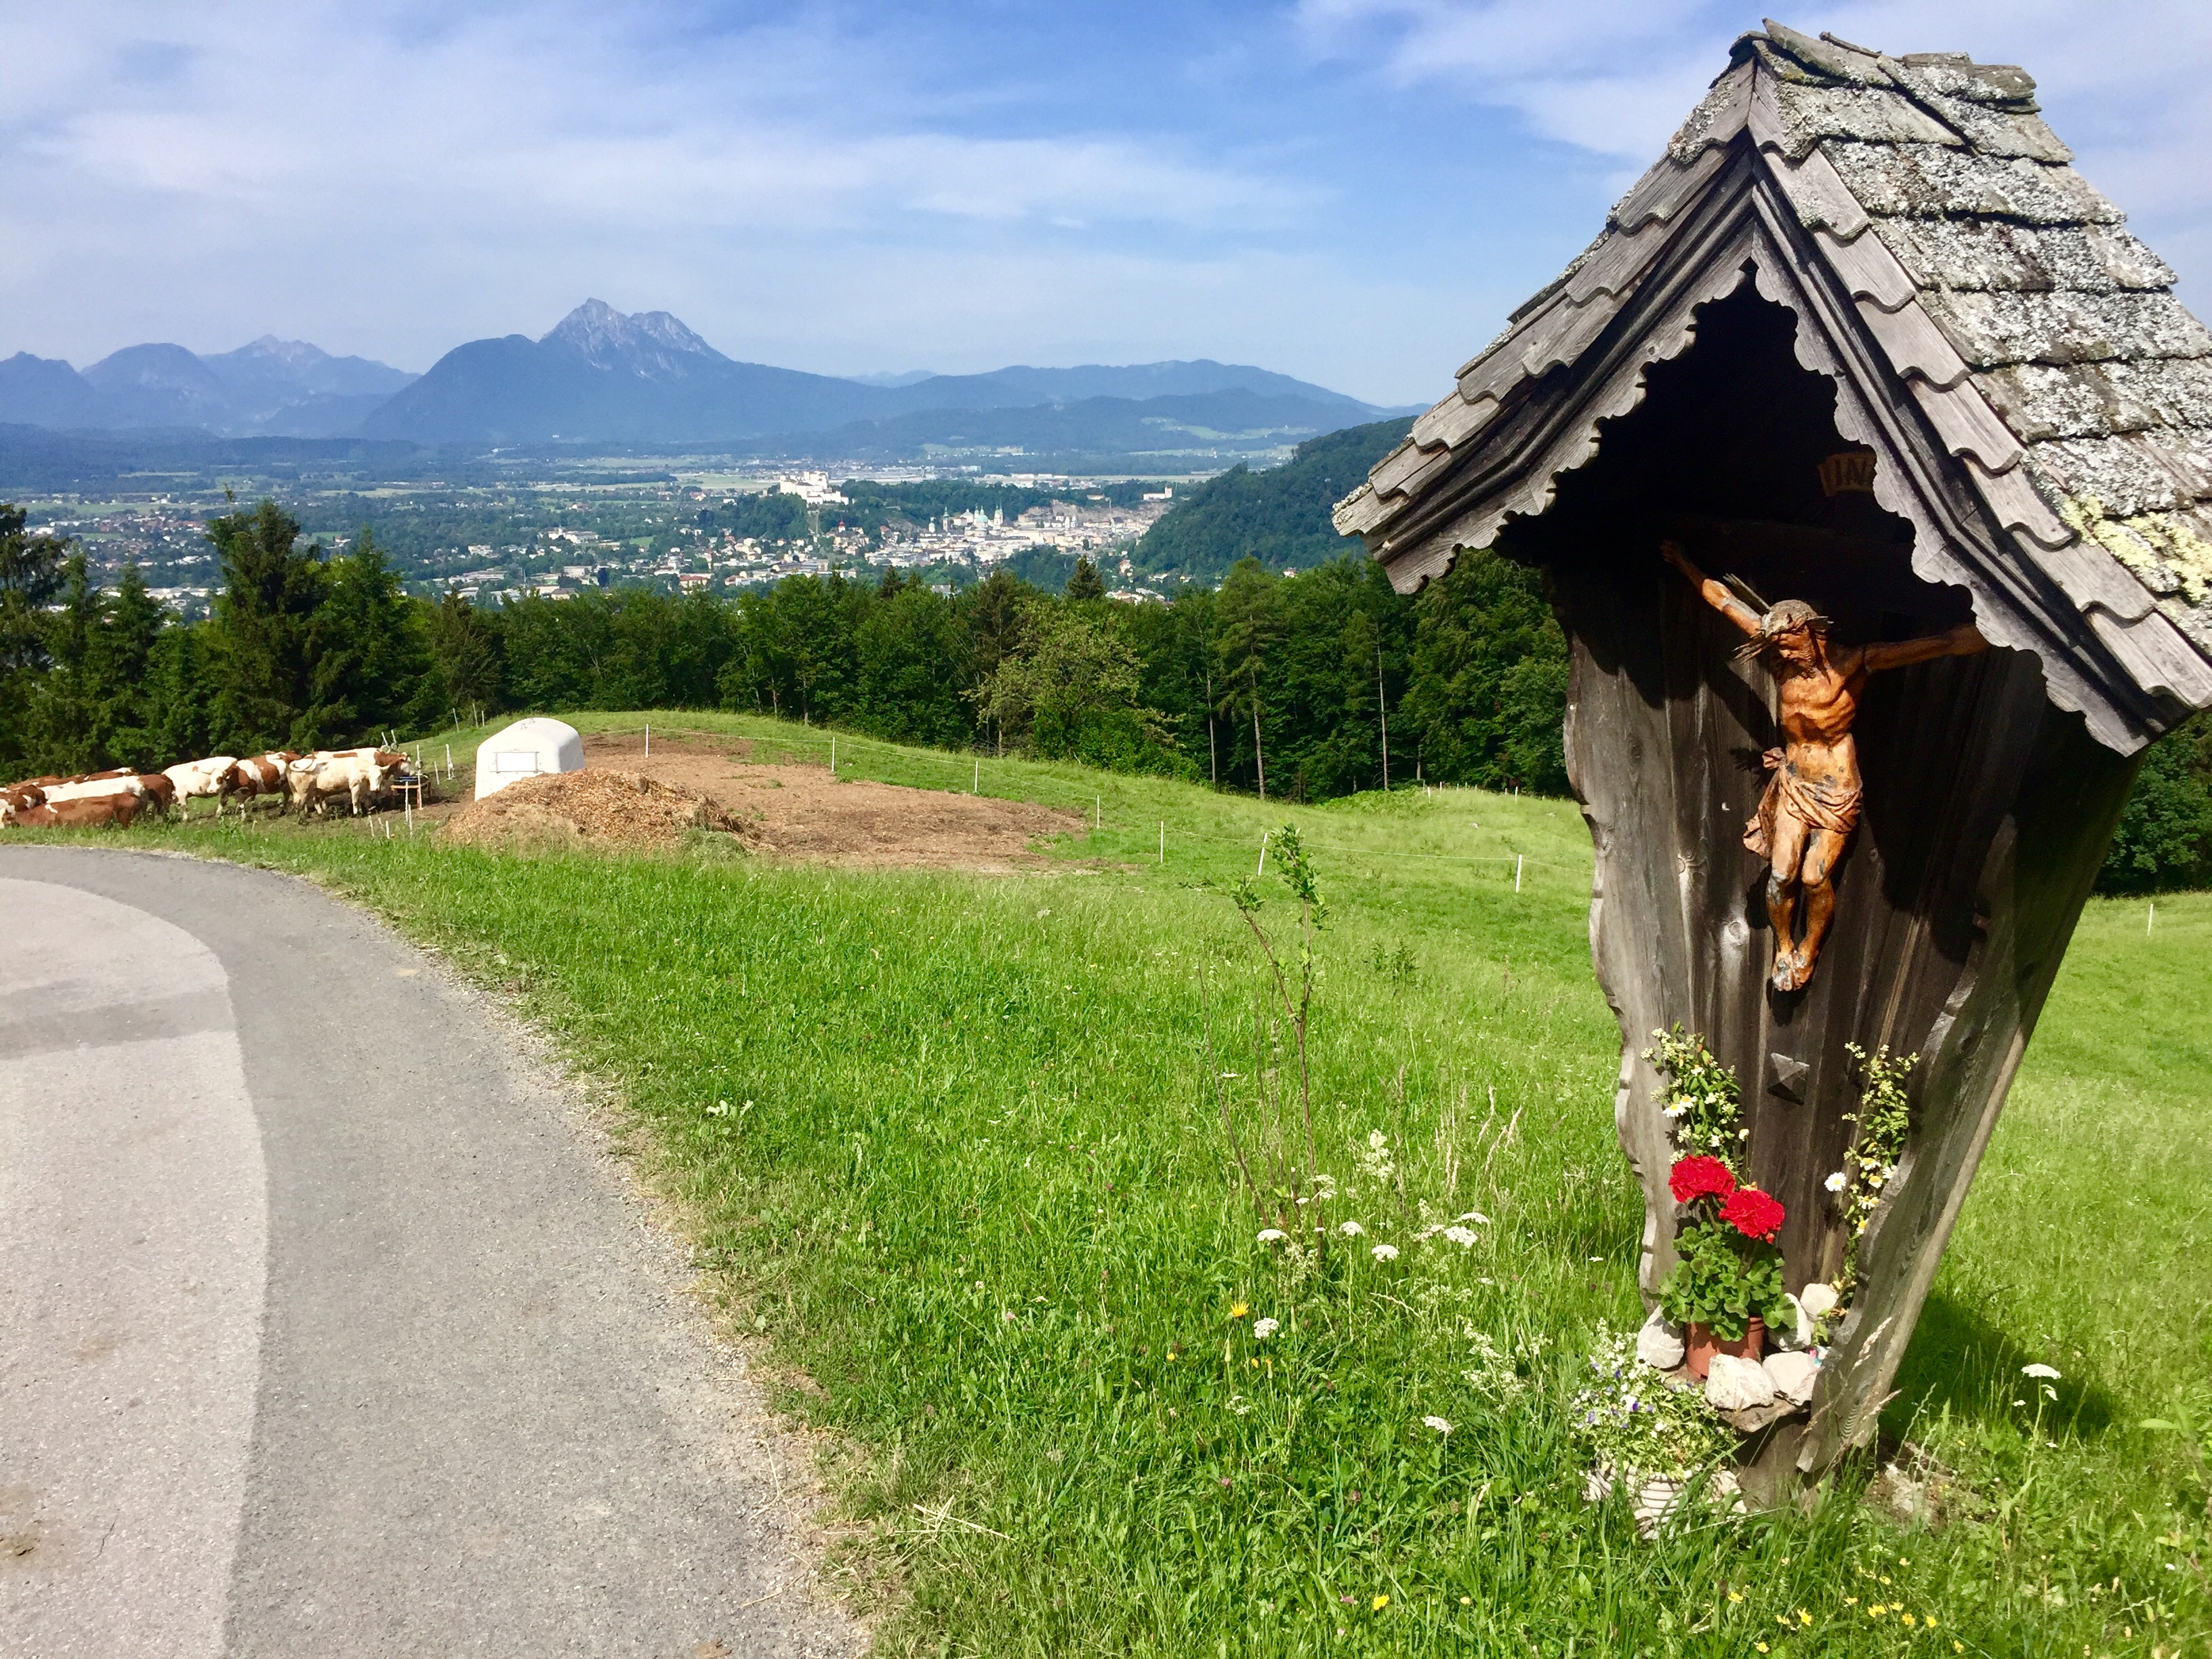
[[1278, 516], [952, 1148]]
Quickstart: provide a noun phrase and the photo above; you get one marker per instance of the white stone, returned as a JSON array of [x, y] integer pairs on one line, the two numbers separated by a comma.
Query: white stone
[[1735, 1385], [1659, 1345], [1792, 1374], [1817, 1299]]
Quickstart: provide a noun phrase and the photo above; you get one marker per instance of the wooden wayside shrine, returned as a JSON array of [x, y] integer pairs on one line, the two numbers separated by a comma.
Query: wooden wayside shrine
[[1861, 338]]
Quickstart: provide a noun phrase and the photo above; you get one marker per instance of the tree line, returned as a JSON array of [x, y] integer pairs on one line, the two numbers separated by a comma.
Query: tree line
[[1305, 688], [1291, 682]]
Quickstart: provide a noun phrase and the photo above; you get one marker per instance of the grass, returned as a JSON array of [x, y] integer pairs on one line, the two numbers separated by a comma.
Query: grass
[[948, 1144]]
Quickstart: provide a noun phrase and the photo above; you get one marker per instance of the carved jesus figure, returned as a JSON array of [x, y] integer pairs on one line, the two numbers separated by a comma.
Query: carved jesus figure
[[1811, 806]]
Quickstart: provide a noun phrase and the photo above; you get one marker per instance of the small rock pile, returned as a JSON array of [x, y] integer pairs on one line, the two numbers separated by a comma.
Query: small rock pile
[[618, 811]]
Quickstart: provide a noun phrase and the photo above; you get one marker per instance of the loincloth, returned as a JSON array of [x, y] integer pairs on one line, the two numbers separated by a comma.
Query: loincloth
[[1818, 805]]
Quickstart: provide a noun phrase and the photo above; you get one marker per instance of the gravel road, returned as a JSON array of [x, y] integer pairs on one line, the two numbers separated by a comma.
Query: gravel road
[[325, 1326]]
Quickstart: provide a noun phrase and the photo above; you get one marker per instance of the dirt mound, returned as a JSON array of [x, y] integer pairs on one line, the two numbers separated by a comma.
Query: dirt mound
[[801, 813], [587, 809]]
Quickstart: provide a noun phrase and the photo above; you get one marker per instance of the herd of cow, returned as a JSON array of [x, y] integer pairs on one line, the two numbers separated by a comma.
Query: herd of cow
[[304, 783]]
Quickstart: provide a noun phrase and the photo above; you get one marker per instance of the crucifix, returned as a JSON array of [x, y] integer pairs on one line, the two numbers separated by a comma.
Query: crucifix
[[1811, 806]]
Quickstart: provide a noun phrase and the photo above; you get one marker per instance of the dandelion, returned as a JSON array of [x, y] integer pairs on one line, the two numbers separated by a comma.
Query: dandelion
[[1384, 1253], [1351, 1230], [1437, 1424], [1237, 1311], [1381, 1603], [1837, 1182], [1462, 1237], [1273, 1235], [1264, 1328], [2049, 1373]]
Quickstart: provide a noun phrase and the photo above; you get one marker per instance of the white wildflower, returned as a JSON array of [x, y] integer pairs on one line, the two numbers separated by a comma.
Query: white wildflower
[[1273, 1235], [1462, 1237], [2048, 1372], [1324, 1187], [1837, 1182], [1351, 1230], [1377, 1141], [1384, 1253], [1264, 1328], [1675, 1111], [1476, 1217], [1006, 1313], [1437, 1424]]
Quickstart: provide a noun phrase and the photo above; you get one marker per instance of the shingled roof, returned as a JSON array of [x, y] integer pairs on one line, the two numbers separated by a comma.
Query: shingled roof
[[2043, 402]]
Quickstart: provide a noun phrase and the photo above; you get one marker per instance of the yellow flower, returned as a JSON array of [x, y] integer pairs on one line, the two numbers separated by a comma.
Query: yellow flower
[[1237, 1311], [1957, 1647], [1909, 1621], [1761, 1646], [1381, 1603], [1885, 1578], [1805, 1618], [1876, 1610], [1735, 1595], [1930, 1619], [1850, 1600], [1467, 1600]]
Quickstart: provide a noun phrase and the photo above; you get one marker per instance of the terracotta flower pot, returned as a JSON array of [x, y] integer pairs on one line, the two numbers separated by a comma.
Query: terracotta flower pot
[[1700, 1345]]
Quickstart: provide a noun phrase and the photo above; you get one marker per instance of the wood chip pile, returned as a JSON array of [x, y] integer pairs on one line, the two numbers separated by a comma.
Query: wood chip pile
[[616, 811]]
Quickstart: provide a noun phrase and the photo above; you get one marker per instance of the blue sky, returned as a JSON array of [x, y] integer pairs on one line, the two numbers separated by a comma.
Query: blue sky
[[1353, 191]]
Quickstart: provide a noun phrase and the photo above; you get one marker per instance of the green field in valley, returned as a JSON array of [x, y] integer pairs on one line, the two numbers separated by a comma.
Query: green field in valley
[[955, 1147]]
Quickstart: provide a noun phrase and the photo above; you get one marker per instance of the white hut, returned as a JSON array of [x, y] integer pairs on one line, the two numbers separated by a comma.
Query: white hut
[[524, 750]]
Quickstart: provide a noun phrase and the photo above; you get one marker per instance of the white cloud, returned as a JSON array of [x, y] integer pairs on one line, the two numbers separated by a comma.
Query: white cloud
[[451, 165], [2128, 87]]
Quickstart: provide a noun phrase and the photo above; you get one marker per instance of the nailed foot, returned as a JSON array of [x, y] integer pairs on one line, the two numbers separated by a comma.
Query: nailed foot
[[1791, 970]]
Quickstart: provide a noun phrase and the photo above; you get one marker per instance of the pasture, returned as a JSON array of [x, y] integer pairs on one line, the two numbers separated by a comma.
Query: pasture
[[953, 1147]]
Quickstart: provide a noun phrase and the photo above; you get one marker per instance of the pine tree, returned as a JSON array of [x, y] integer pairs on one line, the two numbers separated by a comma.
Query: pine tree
[[463, 672], [365, 645], [30, 577], [1083, 582], [117, 667], [262, 651], [59, 717]]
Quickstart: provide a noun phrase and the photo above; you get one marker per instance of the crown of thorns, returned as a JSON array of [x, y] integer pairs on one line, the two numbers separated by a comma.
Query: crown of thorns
[[1785, 617]]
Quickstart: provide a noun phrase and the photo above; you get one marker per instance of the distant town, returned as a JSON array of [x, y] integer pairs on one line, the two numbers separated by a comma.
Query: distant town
[[555, 537]]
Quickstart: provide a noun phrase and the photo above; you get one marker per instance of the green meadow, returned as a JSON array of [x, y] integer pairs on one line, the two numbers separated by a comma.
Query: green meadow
[[963, 1152]]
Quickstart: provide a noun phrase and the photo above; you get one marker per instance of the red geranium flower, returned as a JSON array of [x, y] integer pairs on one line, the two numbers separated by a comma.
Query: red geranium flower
[[1692, 1178], [1754, 1213]]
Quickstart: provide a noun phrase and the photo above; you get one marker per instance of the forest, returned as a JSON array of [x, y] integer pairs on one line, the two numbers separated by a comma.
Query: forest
[[1300, 688]]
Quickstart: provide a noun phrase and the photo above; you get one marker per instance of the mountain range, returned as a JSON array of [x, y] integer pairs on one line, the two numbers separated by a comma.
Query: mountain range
[[601, 377], [272, 387]]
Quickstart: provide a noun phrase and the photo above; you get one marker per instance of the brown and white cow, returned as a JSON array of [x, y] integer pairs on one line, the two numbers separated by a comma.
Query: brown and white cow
[[97, 787], [213, 778], [262, 774], [82, 812], [20, 797], [352, 773], [159, 790]]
